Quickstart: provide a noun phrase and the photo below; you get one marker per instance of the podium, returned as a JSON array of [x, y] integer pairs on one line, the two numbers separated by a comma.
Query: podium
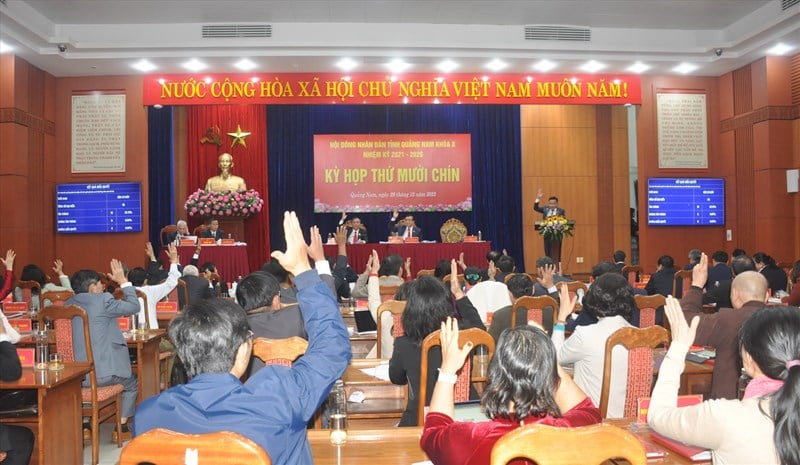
[[552, 247]]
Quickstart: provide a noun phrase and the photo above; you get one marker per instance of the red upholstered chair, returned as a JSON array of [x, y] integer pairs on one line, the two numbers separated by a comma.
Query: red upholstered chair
[[632, 272], [683, 281], [29, 289], [647, 305], [461, 393], [279, 351], [640, 344], [396, 308], [99, 403], [55, 297], [536, 306], [575, 288], [162, 446]]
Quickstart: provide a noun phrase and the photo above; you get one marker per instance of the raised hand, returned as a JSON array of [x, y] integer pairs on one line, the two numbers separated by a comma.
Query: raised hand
[[315, 250], [491, 271], [172, 251], [567, 304], [453, 357], [8, 262], [539, 193], [408, 266], [58, 267], [117, 272], [455, 285], [681, 331], [344, 215], [461, 261], [341, 235], [295, 259], [546, 272], [148, 249], [374, 263], [700, 271]]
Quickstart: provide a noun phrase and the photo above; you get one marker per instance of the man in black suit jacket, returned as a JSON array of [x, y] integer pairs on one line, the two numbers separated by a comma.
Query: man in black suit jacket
[[551, 209], [662, 280], [405, 228], [721, 294], [355, 232], [198, 288], [16, 442], [719, 271], [213, 231]]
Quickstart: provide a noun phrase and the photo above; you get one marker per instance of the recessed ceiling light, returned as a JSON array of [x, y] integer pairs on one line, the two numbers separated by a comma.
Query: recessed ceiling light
[[496, 65], [638, 67], [245, 64], [397, 66], [143, 66], [194, 65], [592, 66], [544, 66], [346, 64], [780, 49], [684, 68], [4, 47], [447, 66]]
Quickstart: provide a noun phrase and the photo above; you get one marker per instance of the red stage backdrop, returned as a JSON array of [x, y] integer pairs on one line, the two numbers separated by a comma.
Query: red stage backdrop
[[383, 172], [250, 162]]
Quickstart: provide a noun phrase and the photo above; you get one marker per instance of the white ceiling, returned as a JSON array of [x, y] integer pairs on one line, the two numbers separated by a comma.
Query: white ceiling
[[103, 37]]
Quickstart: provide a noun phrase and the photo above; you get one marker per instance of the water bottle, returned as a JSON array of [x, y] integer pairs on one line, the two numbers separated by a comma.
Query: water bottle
[[480, 236], [337, 407], [42, 350]]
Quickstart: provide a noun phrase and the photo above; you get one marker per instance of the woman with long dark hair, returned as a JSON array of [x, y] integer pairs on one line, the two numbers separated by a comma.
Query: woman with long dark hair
[[763, 427]]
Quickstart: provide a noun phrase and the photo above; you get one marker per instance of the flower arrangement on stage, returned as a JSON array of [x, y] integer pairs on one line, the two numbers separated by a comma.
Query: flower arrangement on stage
[[555, 227], [241, 204]]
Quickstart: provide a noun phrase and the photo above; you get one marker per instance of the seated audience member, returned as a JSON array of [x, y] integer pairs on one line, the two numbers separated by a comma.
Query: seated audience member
[[662, 280], [610, 300], [586, 318], [8, 276], [520, 285], [694, 259], [721, 295], [719, 270], [181, 231], [111, 360], [258, 294], [441, 269], [489, 296], [406, 228], [719, 330], [287, 292], [794, 297], [472, 276], [738, 252], [525, 386], [198, 288], [776, 277], [343, 274], [505, 265], [16, 442], [273, 407], [544, 262], [428, 304], [355, 232], [619, 260], [32, 272], [390, 273], [213, 230], [155, 292], [762, 427], [491, 259]]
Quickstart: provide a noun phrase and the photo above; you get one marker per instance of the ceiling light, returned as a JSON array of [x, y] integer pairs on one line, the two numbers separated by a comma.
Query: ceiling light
[[496, 65], [447, 66], [143, 66], [4, 47], [544, 66], [592, 66], [397, 66], [780, 49], [346, 64], [684, 68], [245, 64], [194, 65], [638, 67]]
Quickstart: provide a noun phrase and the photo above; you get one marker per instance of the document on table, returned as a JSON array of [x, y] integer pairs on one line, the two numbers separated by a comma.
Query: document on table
[[381, 372]]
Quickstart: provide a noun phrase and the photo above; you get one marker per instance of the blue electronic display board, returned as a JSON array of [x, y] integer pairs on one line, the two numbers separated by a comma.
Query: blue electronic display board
[[685, 202], [114, 207]]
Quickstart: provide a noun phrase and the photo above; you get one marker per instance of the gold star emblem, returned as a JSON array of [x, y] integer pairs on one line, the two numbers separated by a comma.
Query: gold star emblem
[[238, 136]]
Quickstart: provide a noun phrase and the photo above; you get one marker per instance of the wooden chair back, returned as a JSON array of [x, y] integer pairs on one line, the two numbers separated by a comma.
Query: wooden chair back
[[426, 272], [546, 445], [119, 295], [388, 292], [396, 308], [54, 297], [164, 447], [681, 281], [478, 337], [647, 305], [536, 307], [279, 351], [461, 280], [183, 294], [508, 277], [632, 273], [198, 231], [640, 344], [167, 231], [575, 288], [29, 290]]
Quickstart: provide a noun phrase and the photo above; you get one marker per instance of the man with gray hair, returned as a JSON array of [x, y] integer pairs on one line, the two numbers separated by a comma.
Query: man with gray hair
[[182, 231], [694, 259], [198, 288], [719, 330]]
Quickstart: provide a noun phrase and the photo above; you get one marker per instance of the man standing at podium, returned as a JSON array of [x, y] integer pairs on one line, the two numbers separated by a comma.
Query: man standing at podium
[[551, 209]]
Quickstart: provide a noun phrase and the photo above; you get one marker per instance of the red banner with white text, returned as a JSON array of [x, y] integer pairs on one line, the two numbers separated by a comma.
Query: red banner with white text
[[307, 88], [385, 172]]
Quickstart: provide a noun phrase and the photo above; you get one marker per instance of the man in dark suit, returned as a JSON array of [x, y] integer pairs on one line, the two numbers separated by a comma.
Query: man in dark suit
[[213, 230], [406, 227], [198, 288], [182, 230], [551, 209], [721, 295], [661, 281], [355, 232], [719, 270], [619, 260]]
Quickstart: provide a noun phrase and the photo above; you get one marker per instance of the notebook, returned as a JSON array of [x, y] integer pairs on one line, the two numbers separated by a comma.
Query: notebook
[[365, 324]]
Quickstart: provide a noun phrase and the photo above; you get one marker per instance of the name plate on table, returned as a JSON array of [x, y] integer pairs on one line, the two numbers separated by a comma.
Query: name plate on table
[[26, 356], [22, 325], [228, 242], [185, 241], [169, 307], [412, 240], [470, 238], [207, 241], [124, 323], [15, 307], [395, 240]]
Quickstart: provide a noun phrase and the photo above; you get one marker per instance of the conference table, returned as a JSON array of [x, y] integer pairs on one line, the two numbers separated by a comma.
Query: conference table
[[57, 425], [230, 260], [424, 255]]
